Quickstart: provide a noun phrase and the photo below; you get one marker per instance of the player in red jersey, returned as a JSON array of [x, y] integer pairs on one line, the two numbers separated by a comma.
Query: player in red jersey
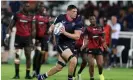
[[22, 20], [42, 24], [94, 41], [107, 31], [81, 54]]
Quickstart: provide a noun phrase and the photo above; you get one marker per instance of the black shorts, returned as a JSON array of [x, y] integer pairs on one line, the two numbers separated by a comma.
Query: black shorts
[[22, 41], [79, 52], [95, 51], [105, 53], [64, 46], [43, 42]]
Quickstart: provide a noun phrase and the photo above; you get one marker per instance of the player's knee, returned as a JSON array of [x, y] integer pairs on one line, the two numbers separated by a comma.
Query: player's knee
[[16, 61], [73, 61], [100, 65], [28, 57], [91, 64], [84, 63], [59, 68]]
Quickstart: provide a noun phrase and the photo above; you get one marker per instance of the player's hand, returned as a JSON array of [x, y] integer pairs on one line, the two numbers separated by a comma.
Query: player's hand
[[6, 40], [81, 49], [105, 45], [33, 44], [62, 30], [51, 29]]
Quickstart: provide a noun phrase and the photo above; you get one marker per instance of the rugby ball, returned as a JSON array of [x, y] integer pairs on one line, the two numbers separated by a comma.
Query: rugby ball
[[57, 28]]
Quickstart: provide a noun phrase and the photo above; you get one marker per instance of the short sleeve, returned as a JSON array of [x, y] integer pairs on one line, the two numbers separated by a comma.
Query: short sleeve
[[79, 23], [78, 27], [57, 19]]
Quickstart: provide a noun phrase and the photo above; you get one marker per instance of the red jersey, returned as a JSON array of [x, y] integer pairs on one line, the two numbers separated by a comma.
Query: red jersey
[[107, 31], [79, 42], [23, 24], [41, 25], [95, 37]]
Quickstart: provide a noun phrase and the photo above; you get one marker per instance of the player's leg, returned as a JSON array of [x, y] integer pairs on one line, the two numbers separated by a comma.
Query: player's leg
[[91, 66], [60, 64], [83, 64], [18, 47], [99, 59], [76, 53], [37, 58], [42, 54], [68, 55], [38, 61], [114, 52], [34, 63], [106, 59], [44, 46], [28, 61], [17, 63]]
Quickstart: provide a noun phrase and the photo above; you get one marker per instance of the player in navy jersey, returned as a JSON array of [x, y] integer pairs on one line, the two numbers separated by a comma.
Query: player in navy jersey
[[94, 40], [66, 42], [22, 20], [41, 51]]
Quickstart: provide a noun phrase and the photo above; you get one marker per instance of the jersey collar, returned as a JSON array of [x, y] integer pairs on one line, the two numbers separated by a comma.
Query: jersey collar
[[68, 18]]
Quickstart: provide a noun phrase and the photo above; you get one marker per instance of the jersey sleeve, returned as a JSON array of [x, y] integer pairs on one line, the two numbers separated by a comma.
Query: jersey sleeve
[[57, 19], [79, 23]]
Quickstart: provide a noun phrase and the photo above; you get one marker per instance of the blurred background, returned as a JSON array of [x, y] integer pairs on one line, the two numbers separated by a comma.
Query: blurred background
[[123, 10]]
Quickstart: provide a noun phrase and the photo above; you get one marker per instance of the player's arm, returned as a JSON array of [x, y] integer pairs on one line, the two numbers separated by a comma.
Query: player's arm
[[51, 28], [33, 30], [75, 35], [110, 30], [77, 30], [11, 25], [85, 42]]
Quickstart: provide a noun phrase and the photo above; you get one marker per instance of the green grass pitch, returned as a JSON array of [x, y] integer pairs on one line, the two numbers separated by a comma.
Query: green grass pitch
[[7, 72]]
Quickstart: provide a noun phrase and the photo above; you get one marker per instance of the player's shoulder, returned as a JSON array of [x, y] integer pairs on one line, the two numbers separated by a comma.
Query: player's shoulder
[[78, 18], [18, 12], [61, 16]]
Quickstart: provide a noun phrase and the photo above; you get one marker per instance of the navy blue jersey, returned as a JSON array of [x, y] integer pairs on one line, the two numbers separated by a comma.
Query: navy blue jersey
[[70, 26]]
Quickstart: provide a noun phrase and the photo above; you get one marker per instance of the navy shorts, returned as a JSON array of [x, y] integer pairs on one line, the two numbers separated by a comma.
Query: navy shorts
[[114, 43], [64, 46]]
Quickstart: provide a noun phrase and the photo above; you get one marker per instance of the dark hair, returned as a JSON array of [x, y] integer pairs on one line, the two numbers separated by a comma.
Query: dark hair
[[91, 15], [70, 7]]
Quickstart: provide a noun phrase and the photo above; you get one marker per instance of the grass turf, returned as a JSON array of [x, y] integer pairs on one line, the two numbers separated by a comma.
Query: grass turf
[[7, 72]]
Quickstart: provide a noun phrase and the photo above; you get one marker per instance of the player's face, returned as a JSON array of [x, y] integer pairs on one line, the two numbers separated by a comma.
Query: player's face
[[93, 20], [27, 7], [43, 10], [73, 13]]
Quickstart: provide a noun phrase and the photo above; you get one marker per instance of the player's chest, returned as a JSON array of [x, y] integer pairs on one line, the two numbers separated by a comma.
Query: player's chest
[[41, 20], [24, 18], [69, 26], [95, 30]]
